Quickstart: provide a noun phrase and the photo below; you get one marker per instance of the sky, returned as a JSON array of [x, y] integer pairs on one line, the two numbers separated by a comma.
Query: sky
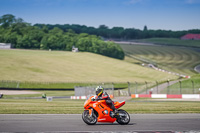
[[173, 15]]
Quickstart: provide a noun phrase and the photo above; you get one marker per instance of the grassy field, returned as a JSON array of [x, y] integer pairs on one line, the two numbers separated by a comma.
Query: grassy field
[[82, 67], [63, 106], [57, 69], [175, 59], [173, 42]]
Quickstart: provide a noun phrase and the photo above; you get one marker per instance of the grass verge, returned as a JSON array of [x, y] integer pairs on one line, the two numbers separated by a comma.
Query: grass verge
[[52, 85], [40, 106], [48, 93], [163, 107], [64, 106]]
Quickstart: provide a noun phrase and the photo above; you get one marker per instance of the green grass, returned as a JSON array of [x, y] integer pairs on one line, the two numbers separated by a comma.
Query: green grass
[[82, 67], [173, 42], [51, 85], [64, 106], [162, 107], [40, 106], [175, 59], [40, 85], [48, 93]]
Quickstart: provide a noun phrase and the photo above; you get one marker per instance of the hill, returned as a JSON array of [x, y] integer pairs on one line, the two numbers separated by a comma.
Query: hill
[[175, 59], [60, 66]]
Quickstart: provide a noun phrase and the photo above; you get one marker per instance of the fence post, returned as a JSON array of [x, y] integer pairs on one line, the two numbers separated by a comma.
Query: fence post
[[135, 87], [118, 92], [85, 91], [180, 87], [146, 86], [113, 89], [157, 86], [168, 86], [193, 87], [129, 91], [18, 85]]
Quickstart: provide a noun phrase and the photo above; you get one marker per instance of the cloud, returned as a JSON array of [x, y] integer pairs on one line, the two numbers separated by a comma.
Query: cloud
[[192, 1]]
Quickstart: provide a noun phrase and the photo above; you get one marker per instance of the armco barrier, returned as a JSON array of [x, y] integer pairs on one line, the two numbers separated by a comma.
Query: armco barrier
[[174, 96], [78, 97], [191, 96], [184, 96], [158, 96], [84, 97]]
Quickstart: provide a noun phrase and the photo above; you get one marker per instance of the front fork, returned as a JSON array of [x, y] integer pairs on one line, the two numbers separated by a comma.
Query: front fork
[[91, 111]]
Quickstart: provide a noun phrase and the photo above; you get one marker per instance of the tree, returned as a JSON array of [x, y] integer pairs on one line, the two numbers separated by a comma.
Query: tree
[[145, 28], [7, 20], [116, 32], [103, 30], [58, 37]]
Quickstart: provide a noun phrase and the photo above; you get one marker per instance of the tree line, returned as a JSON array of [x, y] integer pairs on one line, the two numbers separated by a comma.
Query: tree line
[[120, 32], [23, 35]]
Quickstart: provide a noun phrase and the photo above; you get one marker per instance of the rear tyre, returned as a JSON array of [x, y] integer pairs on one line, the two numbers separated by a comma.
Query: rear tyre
[[123, 118], [90, 120]]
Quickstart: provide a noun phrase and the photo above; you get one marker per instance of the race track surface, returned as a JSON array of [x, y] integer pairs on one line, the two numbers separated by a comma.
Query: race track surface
[[74, 123]]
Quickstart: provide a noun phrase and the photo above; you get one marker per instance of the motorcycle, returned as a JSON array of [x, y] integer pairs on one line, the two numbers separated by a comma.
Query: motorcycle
[[99, 111]]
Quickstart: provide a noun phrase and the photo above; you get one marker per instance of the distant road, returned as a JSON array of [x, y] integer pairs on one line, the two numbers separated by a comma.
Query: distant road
[[158, 89], [135, 43], [197, 68], [74, 123]]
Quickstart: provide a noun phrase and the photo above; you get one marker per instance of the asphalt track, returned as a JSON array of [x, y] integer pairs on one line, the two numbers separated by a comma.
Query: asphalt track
[[74, 123]]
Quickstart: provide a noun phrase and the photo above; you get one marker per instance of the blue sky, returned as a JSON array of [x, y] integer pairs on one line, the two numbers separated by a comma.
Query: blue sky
[[156, 14]]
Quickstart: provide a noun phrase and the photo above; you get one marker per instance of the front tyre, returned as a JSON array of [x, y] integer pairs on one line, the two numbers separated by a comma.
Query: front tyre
[[123, 117], [90, 120]]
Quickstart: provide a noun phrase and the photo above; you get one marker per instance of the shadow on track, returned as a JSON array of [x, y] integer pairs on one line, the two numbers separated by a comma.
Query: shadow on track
[[114, 124]]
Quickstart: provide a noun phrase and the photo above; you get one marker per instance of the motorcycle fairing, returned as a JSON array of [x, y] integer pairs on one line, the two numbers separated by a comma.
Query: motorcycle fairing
[[119, 104], [100, 107]]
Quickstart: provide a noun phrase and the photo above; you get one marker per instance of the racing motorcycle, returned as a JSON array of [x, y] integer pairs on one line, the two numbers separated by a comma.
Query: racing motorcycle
[[99, 111]]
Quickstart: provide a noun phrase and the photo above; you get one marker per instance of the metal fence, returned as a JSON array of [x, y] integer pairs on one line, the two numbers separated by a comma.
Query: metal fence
[[9, 84], [164, 87], [167, 87], [90, 90]]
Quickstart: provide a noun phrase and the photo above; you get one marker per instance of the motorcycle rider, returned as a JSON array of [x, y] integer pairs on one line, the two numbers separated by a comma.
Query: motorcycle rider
[[104, 96]]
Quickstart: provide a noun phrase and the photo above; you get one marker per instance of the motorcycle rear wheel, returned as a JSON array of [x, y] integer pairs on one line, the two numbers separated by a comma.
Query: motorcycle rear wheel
[[123, 118], [90, 120]]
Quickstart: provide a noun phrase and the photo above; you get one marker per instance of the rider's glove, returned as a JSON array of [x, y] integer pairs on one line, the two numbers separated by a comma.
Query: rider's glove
[[99, 98]]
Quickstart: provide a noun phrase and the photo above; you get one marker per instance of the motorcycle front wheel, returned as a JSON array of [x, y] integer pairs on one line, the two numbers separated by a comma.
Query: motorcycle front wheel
[[90, 120], [123, 118]]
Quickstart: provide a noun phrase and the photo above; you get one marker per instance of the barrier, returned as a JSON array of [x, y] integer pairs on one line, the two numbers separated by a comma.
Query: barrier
[[174, 96], [85, 97], [78, 97], [158, 96], [183, 96], [186, 96]]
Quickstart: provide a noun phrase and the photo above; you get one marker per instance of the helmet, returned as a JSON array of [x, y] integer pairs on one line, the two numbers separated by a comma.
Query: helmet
[[99, 90]]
